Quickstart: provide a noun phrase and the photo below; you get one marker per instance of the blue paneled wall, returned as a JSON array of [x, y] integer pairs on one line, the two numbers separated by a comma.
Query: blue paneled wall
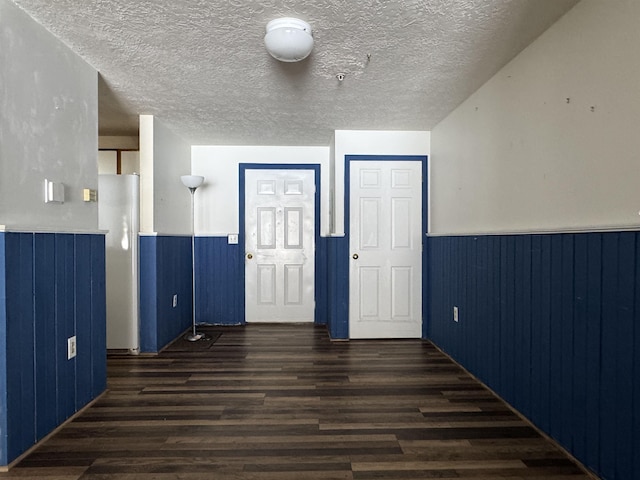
[[220, 281], [552, 324], [165, 271], [52, 286], [338, 278], [322, 280]]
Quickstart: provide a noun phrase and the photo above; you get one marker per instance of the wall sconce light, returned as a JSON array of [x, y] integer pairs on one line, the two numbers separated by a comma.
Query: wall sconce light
[[53, 192], [288, 39]]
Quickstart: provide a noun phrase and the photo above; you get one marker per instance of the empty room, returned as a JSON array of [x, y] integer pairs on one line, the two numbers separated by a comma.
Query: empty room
[[320, 240]]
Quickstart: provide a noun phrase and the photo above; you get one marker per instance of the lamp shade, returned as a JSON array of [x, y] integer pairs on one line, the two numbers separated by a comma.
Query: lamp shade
[[192, 181], [288, 39]]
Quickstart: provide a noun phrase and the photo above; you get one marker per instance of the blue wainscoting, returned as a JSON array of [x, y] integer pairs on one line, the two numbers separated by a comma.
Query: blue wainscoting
[[338, 275], [165, 271], [3, 350], [52, 286], [220, 281], [552, 324], [322, 280], [219, 272]]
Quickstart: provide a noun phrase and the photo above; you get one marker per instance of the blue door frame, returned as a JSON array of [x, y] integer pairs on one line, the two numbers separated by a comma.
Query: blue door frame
[[344, 264], [241, 237]]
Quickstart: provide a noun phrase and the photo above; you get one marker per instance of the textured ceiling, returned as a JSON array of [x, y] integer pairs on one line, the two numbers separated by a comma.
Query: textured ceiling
[[201, 68]]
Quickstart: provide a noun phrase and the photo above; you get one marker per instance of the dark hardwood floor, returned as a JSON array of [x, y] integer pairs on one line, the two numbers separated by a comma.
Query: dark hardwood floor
[[280, 402]]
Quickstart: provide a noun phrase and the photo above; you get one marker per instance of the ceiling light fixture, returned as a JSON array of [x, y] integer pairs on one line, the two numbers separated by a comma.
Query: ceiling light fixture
[[288, 39]]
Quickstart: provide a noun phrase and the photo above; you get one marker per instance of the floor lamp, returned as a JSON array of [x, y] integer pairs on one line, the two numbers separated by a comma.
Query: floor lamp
[[192, 182]]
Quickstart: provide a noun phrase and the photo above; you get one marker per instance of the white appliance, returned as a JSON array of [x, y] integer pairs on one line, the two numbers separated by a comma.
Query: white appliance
[[119, 214]]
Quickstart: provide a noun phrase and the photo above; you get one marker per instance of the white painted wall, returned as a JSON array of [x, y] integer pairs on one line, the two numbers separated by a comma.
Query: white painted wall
[[165, 203], [518, 156], [217, 201], [48, 127], [129, 155], [146, 174], [129, 163], [108, 162], [118, 142], [371, 142], [172, 200]]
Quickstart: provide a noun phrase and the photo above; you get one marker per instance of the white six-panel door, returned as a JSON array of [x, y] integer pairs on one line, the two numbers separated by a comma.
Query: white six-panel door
[[279, 245], [385, 274]]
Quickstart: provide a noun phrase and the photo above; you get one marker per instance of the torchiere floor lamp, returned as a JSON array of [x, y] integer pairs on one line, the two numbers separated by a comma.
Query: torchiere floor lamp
[[192, 182]]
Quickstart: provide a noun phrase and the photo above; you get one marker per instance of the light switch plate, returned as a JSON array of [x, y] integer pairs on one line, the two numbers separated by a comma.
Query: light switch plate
[[90, 195]]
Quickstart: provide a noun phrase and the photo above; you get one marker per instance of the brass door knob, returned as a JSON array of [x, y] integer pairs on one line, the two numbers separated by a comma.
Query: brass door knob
[[355, 256], [249, 256]]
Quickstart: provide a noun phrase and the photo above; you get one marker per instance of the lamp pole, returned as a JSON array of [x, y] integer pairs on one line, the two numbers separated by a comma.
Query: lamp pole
[[192, 182]]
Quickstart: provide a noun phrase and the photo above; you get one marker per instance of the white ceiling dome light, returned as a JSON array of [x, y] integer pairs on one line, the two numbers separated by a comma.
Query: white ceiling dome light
[[288, 39]]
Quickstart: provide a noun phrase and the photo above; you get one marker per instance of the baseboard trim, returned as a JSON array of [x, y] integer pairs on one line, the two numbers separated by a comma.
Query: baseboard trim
[[520, 415], [6, 468]]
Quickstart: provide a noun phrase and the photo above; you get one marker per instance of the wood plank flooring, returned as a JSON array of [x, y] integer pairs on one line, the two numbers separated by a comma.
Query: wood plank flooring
[[269, 402]]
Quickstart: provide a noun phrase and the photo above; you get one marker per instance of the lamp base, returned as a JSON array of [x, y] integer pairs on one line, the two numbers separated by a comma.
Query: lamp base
[[194, 337]]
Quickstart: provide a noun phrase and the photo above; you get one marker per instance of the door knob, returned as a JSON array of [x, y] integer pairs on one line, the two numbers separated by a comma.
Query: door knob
[[249, 256], [355, 256]]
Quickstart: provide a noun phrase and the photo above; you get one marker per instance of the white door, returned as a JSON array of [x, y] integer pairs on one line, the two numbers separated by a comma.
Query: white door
[[385, 274], [279, 245]]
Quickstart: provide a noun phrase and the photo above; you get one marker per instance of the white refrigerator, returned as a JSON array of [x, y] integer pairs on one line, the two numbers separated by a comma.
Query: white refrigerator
[[119, 214]]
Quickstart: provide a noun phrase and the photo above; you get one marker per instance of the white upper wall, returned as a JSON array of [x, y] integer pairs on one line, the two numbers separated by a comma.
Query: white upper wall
[[48, 127], [147, 125], [370, 142], [172, 200], [217, 201], [165, 203], [118, 142], [551, 142]]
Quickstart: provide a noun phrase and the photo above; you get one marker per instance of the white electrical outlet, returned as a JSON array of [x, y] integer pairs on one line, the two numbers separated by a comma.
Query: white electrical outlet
[[71, 347], [175, 300], [455, 314]]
